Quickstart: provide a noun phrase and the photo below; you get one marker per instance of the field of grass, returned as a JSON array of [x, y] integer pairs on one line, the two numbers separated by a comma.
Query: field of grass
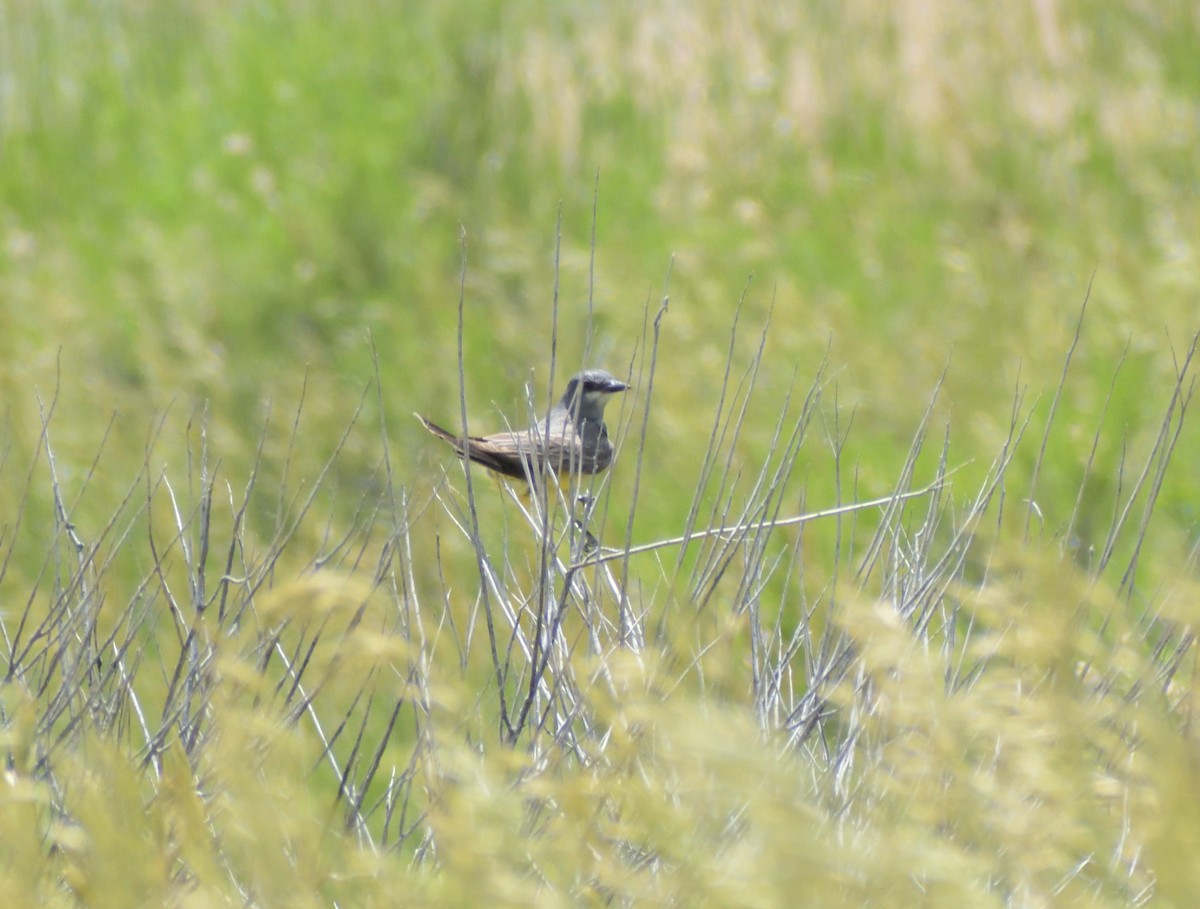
[[264, 643]]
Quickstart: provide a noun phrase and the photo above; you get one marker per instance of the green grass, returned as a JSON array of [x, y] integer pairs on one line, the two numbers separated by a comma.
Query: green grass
[[214, 218]]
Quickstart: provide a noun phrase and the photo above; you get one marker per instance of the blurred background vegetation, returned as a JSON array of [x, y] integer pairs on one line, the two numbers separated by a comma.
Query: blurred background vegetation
[[210, 211], [203, 203]]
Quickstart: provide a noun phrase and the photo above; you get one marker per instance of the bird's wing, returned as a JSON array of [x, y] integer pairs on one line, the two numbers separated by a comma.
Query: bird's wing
[[506, 453]]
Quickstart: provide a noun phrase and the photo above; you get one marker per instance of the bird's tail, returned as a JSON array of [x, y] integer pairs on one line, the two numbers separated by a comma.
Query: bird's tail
[[438, 431], [461, 446]]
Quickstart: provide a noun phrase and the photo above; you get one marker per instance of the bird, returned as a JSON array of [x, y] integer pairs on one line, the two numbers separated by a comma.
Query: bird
[[571, 441]]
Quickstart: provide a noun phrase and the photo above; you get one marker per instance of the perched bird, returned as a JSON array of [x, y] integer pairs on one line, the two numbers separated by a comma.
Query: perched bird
[[570, 442]]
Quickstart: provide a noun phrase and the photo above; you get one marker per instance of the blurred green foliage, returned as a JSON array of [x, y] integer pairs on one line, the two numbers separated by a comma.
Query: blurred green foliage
[[200, 203]]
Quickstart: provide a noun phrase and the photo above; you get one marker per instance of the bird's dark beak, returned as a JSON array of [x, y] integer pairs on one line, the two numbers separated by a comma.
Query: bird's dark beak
[[613, 386]]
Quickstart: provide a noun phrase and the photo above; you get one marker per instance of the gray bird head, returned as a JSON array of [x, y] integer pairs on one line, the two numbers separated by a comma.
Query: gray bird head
[[588, 392]]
